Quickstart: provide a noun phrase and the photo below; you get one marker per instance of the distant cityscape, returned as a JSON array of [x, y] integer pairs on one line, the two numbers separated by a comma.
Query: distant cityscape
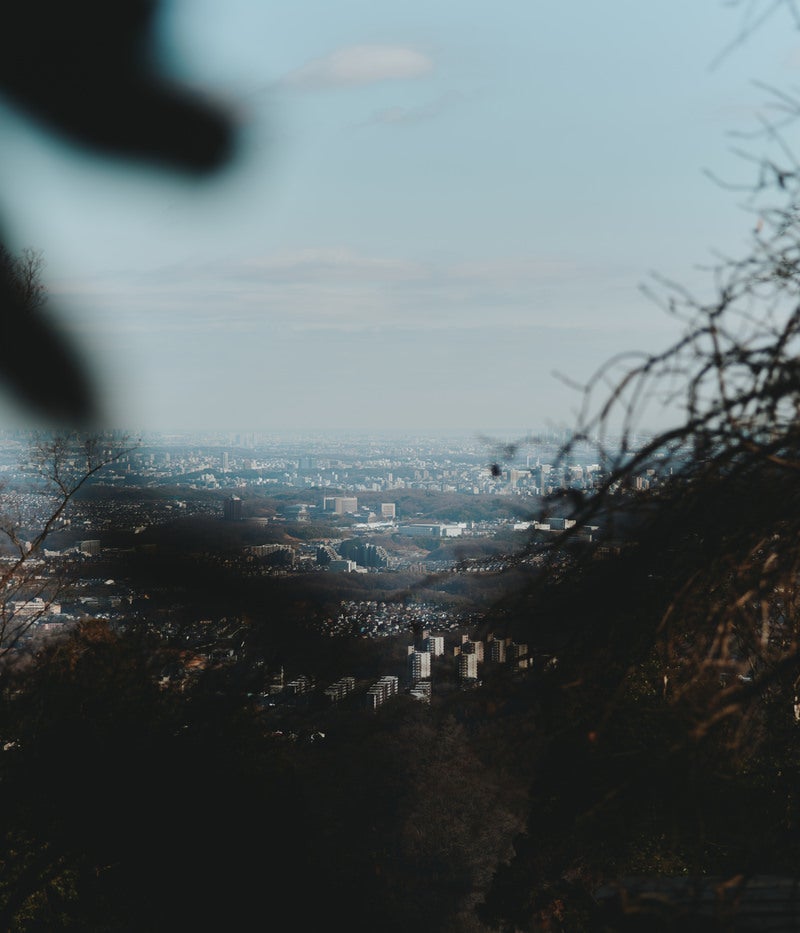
[[386, 510], [519, 466]]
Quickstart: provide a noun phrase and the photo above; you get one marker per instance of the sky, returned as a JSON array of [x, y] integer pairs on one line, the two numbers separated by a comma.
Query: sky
[[441, 215]]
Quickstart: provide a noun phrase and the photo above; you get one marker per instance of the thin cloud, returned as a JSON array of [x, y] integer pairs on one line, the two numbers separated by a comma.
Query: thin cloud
[[358, 65], [403, 116], [344, 290], [309, 265]]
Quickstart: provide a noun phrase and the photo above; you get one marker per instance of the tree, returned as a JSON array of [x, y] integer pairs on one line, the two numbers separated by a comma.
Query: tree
[[61, 464], [60, 467], [24, 272], [670, 725], [57, 385]]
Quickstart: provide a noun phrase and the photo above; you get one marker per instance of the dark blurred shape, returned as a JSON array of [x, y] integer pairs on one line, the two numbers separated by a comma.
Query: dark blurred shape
[[36, 362], [88, 71], [39, 366]]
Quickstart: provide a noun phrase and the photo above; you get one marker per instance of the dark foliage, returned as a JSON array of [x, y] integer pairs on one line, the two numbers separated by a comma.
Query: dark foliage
[[670, 740], [142, 808]]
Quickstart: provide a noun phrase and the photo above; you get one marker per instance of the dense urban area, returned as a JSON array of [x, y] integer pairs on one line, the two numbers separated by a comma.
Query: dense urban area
[[342, 649], [403, 539]]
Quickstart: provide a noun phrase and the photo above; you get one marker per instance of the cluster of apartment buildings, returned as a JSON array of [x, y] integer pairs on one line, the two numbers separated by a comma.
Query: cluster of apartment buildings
[[470, 654]]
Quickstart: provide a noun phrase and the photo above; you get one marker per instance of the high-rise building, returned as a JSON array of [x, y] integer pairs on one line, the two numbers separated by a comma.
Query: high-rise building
[[364, 553], [470, 647], [232, 509], [467, 667], [514, 476], [419, 666], [516, 650], [497, 651], [434, 644], [340, 504], [342, 566]]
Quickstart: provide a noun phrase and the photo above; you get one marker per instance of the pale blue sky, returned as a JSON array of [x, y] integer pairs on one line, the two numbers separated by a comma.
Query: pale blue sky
[[436, 205]]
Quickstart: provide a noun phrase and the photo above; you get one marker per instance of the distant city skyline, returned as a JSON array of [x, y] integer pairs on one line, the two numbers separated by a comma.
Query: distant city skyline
[[435, 211]]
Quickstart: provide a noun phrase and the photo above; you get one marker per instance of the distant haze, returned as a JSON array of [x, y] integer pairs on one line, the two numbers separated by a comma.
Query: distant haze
[[437, 208]]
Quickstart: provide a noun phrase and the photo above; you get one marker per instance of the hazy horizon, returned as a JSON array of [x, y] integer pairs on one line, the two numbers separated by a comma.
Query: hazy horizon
[[432, 214]]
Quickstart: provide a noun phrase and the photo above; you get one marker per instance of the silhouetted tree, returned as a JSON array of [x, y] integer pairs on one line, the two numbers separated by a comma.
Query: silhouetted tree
[[24, 272], [60, 466], [669, 716]]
